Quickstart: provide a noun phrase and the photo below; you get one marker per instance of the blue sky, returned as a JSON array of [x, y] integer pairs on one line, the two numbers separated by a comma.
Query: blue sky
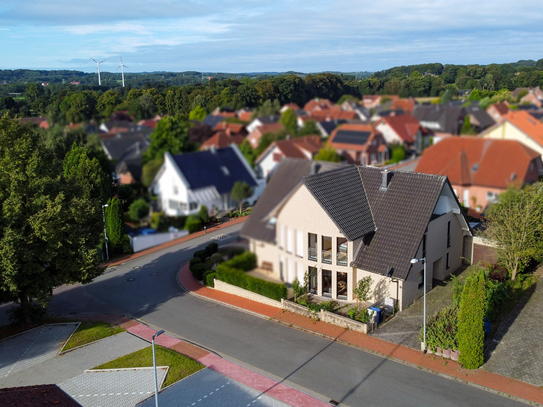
[[258, 36]]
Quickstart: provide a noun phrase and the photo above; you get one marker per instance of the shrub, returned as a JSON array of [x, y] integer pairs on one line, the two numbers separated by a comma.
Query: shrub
[[297, 289], [209, 277], [360, 316], [157, 220], [193, 225], [216, 258], [212, 248], [471, 322], [127, 248], [194, 261], [198, 271], [203, 214], [441, 329], [201, 254], [245, 261], [138, 210]]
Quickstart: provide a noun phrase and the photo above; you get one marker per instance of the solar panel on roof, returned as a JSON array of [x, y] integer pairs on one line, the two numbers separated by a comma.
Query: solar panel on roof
[[352, 137]]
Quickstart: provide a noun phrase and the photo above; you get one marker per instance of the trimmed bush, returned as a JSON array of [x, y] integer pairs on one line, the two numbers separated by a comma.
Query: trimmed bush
[[471, 333], [245, 261], [198, 271], [194, 261], [212, 248], [201, 254], [193, 225], [216, 258], [209, 277]]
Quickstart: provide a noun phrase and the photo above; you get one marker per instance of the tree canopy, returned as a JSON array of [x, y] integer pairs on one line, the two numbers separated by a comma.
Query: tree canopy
[[241, 191]]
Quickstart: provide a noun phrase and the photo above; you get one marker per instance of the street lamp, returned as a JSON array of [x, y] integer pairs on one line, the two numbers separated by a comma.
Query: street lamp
[[154, 365], [414, 261], [105, 233]]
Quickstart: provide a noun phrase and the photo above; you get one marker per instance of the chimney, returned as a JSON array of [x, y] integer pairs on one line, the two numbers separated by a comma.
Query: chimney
[[213, 149], [314, 168], [385, 179]]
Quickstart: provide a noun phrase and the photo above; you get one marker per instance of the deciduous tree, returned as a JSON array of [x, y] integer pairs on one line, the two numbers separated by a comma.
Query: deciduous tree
[[241, 191]]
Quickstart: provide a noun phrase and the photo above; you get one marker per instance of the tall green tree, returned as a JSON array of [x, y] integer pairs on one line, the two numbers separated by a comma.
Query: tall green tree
[[114, 222], [171, 134], [289, 120], [241, 191], [328, 154], [50, 224]]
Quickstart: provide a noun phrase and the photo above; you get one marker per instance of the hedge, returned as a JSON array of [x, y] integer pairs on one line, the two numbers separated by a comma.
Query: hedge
[[193, 225], [212, 248], [201, 254], [209, 277], [245, 261], [237, 277], [194, 261], [198, 271]]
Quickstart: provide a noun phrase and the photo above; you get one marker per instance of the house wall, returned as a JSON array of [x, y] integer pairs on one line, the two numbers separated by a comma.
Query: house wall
[[170, 187], [508, 131], [388, 133], [474, 196], [266, 165]]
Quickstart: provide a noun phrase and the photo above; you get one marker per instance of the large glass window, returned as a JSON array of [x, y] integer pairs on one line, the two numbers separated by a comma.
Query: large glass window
[[327, 249], [313, 281], [327, 283], [342, 286], [341, 251], [312, 250]]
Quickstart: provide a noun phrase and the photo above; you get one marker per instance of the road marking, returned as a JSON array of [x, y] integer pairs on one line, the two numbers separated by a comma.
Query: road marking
[[220, 237]]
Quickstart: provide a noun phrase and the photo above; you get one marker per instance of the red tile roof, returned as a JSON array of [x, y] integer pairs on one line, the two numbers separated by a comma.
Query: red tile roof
[[245, 116], [405, 126], [317, 104], [311, 144], [406, 105], [527, 123], [476, 161], [233, 127], [222, 139]]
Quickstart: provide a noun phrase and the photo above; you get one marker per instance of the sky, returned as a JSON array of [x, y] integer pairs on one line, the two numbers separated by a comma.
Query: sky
[[265, 36]]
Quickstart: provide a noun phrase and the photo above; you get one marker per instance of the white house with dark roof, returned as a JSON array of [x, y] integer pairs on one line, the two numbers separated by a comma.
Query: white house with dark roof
[[187, 181], [349, 222]]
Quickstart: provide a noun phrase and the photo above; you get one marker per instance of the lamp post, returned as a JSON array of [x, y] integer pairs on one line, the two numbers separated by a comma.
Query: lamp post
[[423, 260], [154, 365], [105, 233]]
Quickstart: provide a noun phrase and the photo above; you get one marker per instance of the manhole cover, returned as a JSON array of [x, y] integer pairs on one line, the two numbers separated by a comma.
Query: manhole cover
[[130, 279], [154, 274], [136, 267]]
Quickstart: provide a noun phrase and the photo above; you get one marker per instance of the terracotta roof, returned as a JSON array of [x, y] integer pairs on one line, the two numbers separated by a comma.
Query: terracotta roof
[[222, 139], [476, 161], [352, 136], [227, 114], [317, 103], [405, 126], [245, 116], [311, 144], [44, 395], [527, 123], [234, 127], [292, 106], [406, 105], [270, 128], [289, 149], [292, 148]]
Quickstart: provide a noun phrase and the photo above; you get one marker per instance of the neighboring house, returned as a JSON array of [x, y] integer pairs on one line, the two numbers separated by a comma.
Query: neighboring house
[[304, 148], [220, 139], [317, 104], [442, 120], [518, 125], [328, 126], [261, 121], [373, 101], [380, 113], [287, 106], [479, 118], [532, 99], [212, 120], [360, 144], [403, 129], [187, 181], [340, 224], [480, 169], [254, 137], [515, 94], [407, 105], [497, 111], [232, 128], [126, 149]]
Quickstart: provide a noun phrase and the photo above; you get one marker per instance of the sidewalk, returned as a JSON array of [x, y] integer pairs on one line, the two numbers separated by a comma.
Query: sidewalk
[[490, 381], [183, 239]]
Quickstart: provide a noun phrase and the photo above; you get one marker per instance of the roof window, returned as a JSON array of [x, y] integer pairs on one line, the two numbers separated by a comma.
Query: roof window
[[225, 170], [513, 176], [475, 167]]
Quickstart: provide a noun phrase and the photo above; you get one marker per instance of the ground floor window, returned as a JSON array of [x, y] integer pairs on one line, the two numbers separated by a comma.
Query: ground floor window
[[326, 283], [313, 280], [342, 286]]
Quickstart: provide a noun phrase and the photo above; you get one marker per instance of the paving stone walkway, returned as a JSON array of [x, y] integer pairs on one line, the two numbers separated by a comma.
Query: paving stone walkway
[[113, 387], [517, 348], [33, 347], [207, 388]]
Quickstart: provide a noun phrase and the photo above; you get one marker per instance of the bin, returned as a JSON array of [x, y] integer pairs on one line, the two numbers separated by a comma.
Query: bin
[[377, 310]]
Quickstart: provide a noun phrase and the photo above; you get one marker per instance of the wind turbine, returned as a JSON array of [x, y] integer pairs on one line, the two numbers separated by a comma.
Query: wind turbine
[[98, 68], [122, 69]]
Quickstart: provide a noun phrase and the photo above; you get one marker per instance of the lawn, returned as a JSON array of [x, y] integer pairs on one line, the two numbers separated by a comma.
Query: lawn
[[180, 366], [91, 331]]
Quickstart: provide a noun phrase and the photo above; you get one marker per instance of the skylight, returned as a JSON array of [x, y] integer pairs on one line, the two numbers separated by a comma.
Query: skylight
[[225, 170]]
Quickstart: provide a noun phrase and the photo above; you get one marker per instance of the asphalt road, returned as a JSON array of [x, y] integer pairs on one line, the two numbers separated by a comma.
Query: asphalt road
[[146, 288]]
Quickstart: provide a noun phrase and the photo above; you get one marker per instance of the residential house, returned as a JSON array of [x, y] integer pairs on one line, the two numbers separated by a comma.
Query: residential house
[[254, 136], [222, 138], [304, 148], [442, 120], [328, 126], [287, 106], [317, 104], [126, 149], [479, 118], [480, 169], [360, 144], [261, 121], [386, 112], [497, 111], [363, 113], [532, 98], [187, 181], [338, 224], [518, 125], [373, 101], [403, 129], [212, 120], [407, 105]]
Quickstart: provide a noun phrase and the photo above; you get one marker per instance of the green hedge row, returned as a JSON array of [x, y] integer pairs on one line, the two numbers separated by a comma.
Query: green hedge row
[[238, 278], [245, 261]]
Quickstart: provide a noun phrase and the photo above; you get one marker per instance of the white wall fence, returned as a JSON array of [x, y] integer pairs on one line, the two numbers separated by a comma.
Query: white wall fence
[[143, 242]]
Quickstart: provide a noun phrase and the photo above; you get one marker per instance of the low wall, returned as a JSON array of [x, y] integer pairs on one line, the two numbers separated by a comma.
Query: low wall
[[143, 242], [241, 292], [328, 317]]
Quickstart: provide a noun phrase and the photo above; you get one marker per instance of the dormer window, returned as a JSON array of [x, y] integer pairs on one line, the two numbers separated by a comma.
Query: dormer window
[[225, 170], [513, 176], [475, 167]]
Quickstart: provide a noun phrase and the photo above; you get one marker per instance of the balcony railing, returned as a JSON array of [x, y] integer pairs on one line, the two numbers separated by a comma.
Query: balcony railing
[[312, 253], [327, 256]]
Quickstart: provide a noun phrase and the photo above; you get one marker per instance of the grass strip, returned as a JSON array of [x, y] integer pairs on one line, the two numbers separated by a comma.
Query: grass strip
[[91, 331], [180, 366]]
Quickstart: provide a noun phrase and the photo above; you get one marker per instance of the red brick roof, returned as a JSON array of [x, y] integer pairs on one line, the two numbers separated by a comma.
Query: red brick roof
[[245, 116], [476, 161], [406, 105], [234, 127], [222, 139], [527, 123], [311, 144], [45, 395], [317, 104], [405, 126]]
